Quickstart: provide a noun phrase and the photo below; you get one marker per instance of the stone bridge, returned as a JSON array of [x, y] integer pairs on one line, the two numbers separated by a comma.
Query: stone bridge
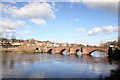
[[84, 50]]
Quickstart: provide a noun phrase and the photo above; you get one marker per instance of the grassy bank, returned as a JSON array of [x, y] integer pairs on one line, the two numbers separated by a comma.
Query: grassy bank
[[27, 50], [21, 49]]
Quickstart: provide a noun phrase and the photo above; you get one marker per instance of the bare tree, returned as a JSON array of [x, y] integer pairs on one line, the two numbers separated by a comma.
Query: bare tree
[[13, 37]]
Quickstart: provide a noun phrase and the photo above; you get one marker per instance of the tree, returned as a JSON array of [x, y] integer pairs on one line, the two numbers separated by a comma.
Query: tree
[[13, 38], [107, 44]]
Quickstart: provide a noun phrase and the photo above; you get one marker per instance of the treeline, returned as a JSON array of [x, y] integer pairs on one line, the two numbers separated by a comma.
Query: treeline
[[115, 43]]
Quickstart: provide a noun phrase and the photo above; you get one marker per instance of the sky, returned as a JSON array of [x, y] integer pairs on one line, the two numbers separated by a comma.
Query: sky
[[82, 22]]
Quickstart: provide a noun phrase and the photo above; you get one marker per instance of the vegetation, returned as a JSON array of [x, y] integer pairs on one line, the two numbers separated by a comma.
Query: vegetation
[[116, 43], [21, 49]]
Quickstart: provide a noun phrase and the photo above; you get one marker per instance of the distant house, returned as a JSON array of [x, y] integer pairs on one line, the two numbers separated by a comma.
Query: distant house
[[55, 44], [15, 44], [9, 44], [6, 44]]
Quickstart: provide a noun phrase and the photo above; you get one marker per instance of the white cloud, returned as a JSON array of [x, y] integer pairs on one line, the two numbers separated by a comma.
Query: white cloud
[[104, 29], [109, 5], [32, 11], [108, 39], [109, 29], [24, 32], [93, 0], [39, 21], [35, 12], [79, 29], [9, 26], [94, 31]]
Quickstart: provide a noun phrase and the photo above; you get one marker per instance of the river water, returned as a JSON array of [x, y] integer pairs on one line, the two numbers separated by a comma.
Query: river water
[[55, 66]]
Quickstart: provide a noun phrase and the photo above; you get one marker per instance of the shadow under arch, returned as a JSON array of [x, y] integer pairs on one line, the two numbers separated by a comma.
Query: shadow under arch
[[36, 48], [78, 53], [61, 52], [50, 51], [96, 50], [77, 50]]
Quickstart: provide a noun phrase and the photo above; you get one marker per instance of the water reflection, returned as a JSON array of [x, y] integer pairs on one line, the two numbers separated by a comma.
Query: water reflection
[[51, 51], [54, 66], [79, 53], [65, 52], [114, 73], [98, 54]]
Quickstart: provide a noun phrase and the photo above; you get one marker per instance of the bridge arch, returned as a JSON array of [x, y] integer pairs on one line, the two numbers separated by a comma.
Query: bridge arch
[[37, 49], [50, 51], [78, 52], [96, 50], [62, 50]]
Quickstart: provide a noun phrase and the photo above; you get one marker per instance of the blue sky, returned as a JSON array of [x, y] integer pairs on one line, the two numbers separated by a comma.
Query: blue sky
[[66, 22]]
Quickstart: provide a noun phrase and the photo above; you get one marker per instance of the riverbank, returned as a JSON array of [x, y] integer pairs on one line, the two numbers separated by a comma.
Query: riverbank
[[32, 50], [21, 49], [24, 49]]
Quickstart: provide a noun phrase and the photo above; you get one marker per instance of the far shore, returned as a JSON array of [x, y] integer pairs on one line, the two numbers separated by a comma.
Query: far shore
[[21, 49]]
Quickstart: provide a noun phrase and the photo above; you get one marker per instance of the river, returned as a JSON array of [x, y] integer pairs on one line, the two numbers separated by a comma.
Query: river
[[55, 66]]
